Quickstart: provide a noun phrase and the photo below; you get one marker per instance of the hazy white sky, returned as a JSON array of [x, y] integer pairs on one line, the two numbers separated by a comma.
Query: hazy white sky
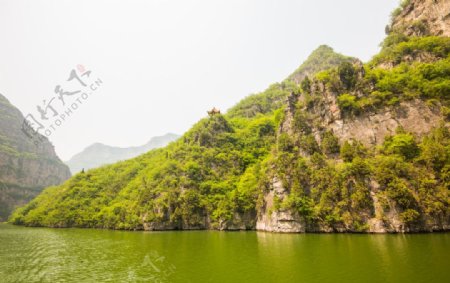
[[163, 63]]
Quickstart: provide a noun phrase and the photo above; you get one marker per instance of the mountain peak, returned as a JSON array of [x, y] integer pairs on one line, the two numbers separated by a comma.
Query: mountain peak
[[322, 58], [321, 48]]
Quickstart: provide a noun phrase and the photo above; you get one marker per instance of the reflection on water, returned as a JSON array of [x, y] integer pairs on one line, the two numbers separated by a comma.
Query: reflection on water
[[82, 255]]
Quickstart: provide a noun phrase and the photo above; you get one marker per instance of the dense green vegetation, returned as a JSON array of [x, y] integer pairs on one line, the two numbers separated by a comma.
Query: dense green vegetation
[[266, 102], [412, 176], [209, 171], [397, 46]]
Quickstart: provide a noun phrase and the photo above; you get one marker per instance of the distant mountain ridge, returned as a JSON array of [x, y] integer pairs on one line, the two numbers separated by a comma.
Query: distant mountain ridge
[[99, 154]]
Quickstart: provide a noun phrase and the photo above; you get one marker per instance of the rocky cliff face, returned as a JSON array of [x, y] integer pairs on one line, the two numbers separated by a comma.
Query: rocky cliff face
[[423, 17], [371, 129], [271, 219], [25, 168]]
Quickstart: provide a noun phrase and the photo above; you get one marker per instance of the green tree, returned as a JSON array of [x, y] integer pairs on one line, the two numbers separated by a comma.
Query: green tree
[[348, 104], [330, 143], [347, 75], [306, 85], [401, 144]]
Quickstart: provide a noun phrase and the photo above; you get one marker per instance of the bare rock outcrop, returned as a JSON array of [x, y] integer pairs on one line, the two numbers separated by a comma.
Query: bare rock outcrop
[[272, 219], [424, 17]]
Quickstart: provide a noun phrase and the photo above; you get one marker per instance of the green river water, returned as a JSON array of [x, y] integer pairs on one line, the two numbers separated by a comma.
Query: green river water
[[85, 255]]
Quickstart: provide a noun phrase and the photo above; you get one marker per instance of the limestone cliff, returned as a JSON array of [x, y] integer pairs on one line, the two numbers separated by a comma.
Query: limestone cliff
[[369, 128], [422, 17], [317, 113], [25, 168]]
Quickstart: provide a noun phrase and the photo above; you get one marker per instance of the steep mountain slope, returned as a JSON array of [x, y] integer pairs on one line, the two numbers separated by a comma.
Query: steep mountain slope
[[25, 169], [351, 147], [99, 154], [419, 18], [275, 96]]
